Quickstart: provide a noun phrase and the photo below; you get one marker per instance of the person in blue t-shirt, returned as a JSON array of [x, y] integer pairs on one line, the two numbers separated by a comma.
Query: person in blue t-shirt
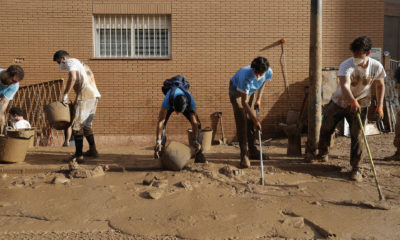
[[181, 103], [242, 87], [9, 84]]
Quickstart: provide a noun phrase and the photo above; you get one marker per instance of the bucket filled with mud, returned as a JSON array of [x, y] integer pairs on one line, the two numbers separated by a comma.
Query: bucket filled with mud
[[27, 133], [205, 140], [58, 115], [176, 156], [13, 150]]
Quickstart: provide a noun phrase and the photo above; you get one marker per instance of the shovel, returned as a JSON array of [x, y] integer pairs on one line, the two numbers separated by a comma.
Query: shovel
[[259, 142], [381, 197]]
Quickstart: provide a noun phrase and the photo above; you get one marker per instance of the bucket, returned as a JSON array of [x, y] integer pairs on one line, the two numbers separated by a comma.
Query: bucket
[[58, 115], [205, 139], [27, 133], [13, 150], [175, 156]]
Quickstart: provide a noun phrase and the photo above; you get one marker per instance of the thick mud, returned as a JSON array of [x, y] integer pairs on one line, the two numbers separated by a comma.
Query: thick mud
[[137, 200]]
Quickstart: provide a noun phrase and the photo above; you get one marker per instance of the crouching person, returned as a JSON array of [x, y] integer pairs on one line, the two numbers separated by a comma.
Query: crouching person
[[178, 99], [81, 79]]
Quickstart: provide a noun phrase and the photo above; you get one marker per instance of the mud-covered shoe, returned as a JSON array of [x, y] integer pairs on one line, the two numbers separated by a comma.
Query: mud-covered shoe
[[245, 162], [255, 155], [322, 158], [394, 157], [74, 158], [356, 175], [200, 158], [91, 153], [315, 159]]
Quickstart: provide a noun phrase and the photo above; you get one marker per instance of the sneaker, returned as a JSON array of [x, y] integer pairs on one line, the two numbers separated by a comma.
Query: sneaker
[[245, 162], [356, 175], [91, 153]]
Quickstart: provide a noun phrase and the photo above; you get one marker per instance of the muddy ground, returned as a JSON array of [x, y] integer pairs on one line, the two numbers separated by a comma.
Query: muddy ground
[[203, 201]]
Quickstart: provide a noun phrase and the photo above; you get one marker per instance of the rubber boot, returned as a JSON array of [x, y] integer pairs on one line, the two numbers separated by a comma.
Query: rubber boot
[[92, 152], [79, 148]]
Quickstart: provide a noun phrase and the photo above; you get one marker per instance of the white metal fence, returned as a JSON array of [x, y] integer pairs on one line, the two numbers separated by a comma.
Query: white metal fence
[[394, 64], [132, 36]]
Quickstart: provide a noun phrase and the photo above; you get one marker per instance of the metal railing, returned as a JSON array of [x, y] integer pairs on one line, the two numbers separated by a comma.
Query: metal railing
[[394, 64], [32, 99]]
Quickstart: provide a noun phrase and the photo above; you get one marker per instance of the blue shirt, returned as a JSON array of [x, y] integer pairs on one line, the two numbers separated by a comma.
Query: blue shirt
[[245, 81], [166, 105], [8, 91]]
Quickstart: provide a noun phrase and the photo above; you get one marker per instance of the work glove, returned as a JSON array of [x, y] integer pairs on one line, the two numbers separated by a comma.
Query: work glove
[[157, 150], [354, 106], [197, 146], [65, 99], [379, 112]]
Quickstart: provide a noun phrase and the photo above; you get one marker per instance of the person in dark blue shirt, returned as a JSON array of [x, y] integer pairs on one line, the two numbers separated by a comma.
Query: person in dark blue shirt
[[181, 103]]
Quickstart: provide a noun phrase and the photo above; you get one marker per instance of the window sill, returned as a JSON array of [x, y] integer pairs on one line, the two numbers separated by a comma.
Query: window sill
[[139, 58]]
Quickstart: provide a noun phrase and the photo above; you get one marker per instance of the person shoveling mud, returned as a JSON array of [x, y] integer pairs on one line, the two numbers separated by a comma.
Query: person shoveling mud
[[178, 99], [241, 93], [356, 76]]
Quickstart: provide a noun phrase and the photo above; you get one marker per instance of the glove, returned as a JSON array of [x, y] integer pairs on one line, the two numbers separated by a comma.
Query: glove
[[65, 99], [354, 106], [157, 150], [197, 146], [379, 111], [257, 124]]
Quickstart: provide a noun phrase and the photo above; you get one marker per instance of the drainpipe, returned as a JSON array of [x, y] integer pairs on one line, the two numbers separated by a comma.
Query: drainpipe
[[315, 75]]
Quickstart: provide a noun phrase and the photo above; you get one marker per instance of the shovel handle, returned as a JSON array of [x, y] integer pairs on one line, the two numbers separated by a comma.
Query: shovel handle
[[381, 197]]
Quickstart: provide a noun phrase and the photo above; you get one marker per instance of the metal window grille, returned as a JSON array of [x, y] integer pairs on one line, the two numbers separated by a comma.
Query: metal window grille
[[132, 36]]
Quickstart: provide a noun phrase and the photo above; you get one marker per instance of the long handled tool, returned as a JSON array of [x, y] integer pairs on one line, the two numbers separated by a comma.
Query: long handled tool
[[381, 197], [260, 142], [223, 140]]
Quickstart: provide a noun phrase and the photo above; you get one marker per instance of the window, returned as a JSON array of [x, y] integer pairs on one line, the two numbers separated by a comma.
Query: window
[[132, 36]]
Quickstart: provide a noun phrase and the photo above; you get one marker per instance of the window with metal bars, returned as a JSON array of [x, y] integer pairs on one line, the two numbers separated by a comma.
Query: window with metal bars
[[132, 36]]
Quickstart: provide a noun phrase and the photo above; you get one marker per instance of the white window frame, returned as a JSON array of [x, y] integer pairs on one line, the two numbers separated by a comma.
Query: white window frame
[[154, 29]]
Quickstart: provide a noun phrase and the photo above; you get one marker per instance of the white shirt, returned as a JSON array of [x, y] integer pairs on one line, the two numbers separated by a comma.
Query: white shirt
[[361, 81], [21, 124], [85, 88]]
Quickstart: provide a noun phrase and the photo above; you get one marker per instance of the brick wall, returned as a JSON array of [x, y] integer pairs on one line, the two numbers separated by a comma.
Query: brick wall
[[211, 40]]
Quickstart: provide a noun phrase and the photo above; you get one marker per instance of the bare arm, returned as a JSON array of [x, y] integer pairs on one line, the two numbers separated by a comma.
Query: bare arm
[[161, 119], [247, 108], [195, 125], [380, 90], [345, 82], [259, 94], [4, 104], [71, 81]]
